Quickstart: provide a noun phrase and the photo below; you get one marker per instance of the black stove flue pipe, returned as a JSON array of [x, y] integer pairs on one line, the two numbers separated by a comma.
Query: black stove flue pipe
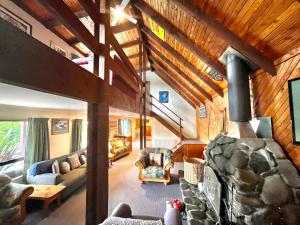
[[238, 89]]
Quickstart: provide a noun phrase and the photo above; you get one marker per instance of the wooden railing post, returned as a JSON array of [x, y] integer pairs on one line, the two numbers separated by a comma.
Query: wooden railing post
[[180, 127]]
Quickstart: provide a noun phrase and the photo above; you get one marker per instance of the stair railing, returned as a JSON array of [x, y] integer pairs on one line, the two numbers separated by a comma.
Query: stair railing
[[167, 112]]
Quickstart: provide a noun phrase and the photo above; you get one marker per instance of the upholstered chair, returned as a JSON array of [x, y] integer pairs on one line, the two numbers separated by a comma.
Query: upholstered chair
[[155, 164], [12, 201]]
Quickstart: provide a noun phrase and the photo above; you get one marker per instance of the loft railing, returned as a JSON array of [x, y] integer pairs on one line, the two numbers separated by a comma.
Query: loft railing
[[169, 113]]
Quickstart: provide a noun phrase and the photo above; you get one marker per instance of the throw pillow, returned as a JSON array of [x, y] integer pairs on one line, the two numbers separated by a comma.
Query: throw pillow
[[64, 167], [41, 167], [119, 144], [82, 159], [155, 159], [74, 162], [55, 167], [4, 180]]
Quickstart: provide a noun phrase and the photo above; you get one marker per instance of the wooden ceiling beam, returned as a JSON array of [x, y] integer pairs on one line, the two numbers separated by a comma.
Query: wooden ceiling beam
[[140, 24], [116, 46], [175, 87], [184, 62], [123, 27], [181, 73], [55, 22], [231, 38], [128, 44], [62, 12], [90, 7], [172, 76], [134, 56], [118, 68], [179, 36]]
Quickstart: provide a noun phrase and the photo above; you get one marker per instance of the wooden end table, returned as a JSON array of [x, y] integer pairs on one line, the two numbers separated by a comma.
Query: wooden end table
[[47, 194]]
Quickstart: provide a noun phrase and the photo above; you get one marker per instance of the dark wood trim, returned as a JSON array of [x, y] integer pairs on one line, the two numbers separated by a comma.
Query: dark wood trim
[[231, 38], [62, 12], [54, 22], [184, 62], [123, 27], [174, 85], [181, 73], [295, 141], [179, 36], [25, 62], [173, 77], [11, 161]]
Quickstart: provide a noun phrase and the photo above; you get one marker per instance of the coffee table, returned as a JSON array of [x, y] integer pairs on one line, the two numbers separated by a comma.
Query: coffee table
[[47, 194]]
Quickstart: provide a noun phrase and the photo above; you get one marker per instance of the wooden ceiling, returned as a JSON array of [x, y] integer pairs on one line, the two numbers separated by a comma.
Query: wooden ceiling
[[196, 34]]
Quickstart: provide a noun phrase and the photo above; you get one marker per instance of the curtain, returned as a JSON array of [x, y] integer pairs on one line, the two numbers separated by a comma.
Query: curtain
[[76, 135], [124, 127], [37, 142]]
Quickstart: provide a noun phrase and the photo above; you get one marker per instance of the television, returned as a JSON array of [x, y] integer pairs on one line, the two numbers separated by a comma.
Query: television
[[294, 97]]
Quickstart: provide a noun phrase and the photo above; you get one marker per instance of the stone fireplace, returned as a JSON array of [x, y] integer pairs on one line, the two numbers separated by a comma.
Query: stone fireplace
[[249, 181]]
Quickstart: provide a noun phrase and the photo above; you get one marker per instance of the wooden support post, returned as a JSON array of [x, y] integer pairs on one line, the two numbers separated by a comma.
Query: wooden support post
[[98, 118], [145, 96], [141, 96]]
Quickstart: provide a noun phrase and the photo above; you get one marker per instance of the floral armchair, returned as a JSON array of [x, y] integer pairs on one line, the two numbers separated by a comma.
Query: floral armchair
[[154, 165], [12, 201]]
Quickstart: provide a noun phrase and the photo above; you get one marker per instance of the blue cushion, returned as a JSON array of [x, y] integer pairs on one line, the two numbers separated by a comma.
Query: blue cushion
[[41, 167]]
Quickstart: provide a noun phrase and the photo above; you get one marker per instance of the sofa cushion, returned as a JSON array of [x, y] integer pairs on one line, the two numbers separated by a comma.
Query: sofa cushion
[[73, 176], [130, 221], [155, 159], [65, 167], [4, 180], [153, 172], [41, 167], [74, 162], [55, 167], [82, 159]]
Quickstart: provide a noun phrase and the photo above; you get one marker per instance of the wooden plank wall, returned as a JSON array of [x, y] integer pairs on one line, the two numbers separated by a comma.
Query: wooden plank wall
[[208, 128], [271, 98]]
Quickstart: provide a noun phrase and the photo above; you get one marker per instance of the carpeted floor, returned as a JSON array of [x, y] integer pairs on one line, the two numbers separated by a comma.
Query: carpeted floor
[[145, 199]]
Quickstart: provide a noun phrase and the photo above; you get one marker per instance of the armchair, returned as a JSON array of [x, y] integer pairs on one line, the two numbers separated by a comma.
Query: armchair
[[12, 201], [154, 165]]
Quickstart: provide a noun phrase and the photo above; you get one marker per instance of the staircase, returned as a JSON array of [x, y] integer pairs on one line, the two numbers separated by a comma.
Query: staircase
[[175, 122]]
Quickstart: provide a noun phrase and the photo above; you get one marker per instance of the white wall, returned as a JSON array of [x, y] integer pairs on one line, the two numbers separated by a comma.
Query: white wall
[[177, 104], [39, 32]]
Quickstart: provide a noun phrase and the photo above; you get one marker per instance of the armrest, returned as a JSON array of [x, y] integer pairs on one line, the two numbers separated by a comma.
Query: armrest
[[13, 194], [172, 217], [45, 178], [141, 163], [168, 164], [122, 210]]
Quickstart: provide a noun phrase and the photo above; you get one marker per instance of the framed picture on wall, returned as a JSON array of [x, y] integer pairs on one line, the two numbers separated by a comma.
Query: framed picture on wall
[[163, 96], [202, 112], [294, 97], [59, 126], [15, 20]]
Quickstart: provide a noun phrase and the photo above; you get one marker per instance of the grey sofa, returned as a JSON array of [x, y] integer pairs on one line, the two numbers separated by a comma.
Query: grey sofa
[[71, 180], [122, 214]]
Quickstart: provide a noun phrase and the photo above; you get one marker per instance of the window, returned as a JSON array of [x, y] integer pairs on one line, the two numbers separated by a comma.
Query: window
[[124, 127], [84, 134], [12, 143]]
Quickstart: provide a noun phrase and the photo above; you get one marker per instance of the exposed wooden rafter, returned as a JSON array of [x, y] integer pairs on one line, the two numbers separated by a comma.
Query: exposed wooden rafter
[[179, 36], [184, 62], [129, 44], [172, 76], [92, 11], [116, 46], [134, 56], [62, 12], [231, 38], [175, 86], [182, 74], [123, 27]]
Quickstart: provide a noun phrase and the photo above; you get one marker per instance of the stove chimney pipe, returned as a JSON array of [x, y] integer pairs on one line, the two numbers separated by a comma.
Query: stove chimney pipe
[[238, 89]]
